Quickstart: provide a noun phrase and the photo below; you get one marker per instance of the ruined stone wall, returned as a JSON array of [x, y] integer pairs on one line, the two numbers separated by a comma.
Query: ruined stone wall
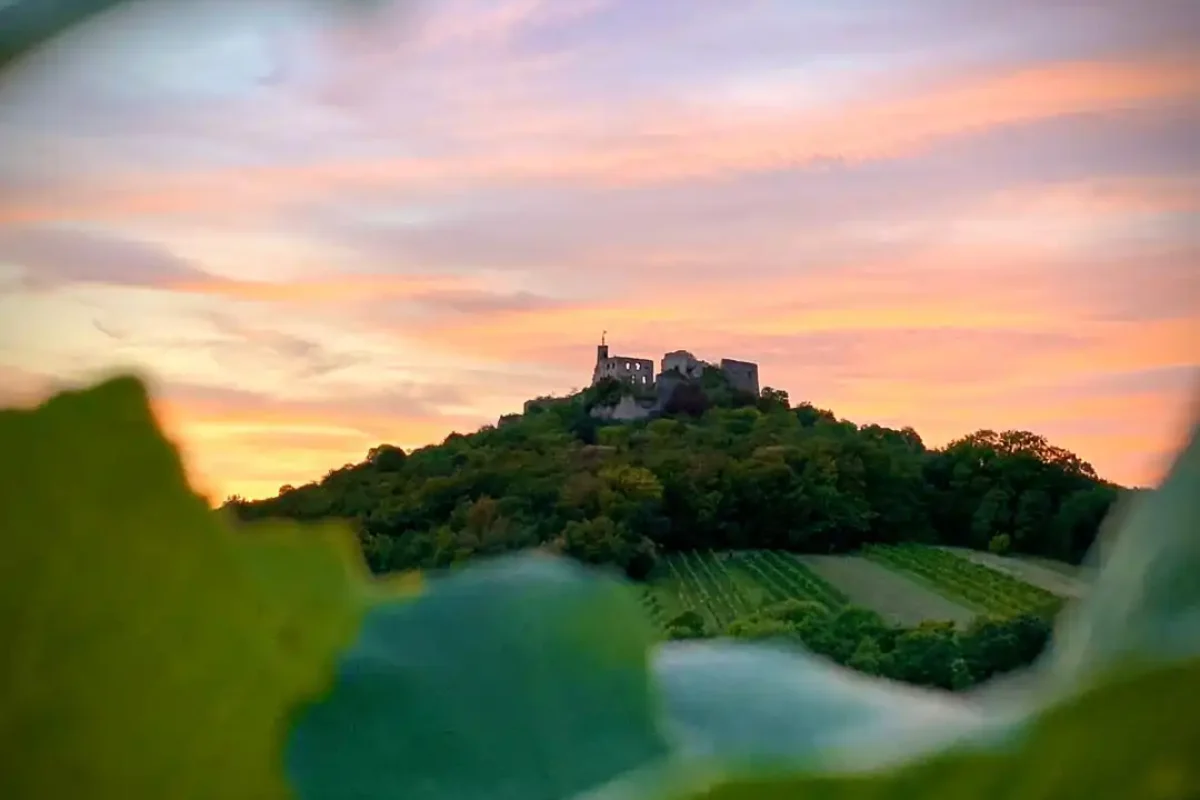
[[742, 375], [684, 363], [628, 408], [639, 372]]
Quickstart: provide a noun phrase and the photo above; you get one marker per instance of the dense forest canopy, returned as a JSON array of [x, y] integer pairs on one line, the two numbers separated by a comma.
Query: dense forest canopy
[[716, 470]]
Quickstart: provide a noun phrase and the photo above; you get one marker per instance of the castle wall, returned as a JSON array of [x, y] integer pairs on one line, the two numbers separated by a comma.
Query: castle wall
[[684, 363], [639, 372], [626, 409], [636, 371], [742, 375]]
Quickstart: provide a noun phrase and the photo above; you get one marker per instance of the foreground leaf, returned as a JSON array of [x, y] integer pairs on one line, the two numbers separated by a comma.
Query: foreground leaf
[[26, 25], [147, 651], [153, 653], [522, 679]]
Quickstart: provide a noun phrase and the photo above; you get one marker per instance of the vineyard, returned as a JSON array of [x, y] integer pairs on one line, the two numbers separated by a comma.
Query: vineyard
[[961, 579], [725, 586]]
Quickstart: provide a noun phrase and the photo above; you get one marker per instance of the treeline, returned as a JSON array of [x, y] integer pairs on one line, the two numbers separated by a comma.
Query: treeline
[[718, 471], [934, 654]]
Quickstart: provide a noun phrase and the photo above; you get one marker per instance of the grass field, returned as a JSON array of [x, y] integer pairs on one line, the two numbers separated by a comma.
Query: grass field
[[906, 584]]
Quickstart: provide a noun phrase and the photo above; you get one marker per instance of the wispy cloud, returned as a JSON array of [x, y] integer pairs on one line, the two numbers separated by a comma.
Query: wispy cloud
[[944, 214], [53, 256]]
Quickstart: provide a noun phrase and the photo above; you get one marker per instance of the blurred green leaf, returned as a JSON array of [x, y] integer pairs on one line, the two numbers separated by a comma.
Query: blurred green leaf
[[521, 679], [148, 651], [26, 25]]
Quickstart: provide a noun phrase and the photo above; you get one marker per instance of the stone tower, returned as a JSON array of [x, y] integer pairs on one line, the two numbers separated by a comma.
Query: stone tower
[[635, 371]]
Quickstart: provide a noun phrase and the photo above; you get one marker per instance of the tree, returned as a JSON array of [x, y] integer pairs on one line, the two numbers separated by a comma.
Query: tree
[[770, 400], [687, 399], [810, 416], [991, 517], [762, 628], [926, 655], [867, 656], [603, 541], [387, 458], [1078, 520], [686, 625], [714, 475], [1033, 517]]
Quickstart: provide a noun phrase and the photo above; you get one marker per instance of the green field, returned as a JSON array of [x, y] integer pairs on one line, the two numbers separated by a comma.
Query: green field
[[893, 595], [1056, 577], [986, 589], [906, 584], [725, 586]]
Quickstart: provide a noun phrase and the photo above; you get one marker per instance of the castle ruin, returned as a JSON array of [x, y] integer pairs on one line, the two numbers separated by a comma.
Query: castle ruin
[[639, 372], [636, 371]]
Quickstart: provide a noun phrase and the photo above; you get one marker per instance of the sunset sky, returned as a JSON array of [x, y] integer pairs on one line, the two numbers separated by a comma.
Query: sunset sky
[[315, 236]]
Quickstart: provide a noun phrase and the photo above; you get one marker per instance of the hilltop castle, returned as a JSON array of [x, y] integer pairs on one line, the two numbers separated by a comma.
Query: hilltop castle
[[639, 372], [653, 393]]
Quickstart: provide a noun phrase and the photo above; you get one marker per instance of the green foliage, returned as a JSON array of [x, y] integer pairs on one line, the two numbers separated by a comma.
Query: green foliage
[[932, 654], [728, 476], [605, 392], [152, 652], [147, 648], [726, 587], [687, 625], [564, 698], [718, 595], [773, 400], [1000, 544], [25, 25]]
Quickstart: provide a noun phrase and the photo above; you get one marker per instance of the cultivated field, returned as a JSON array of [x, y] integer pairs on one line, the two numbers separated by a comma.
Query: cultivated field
[[1051, 576], [894, 596], [725, 586], [906, 584], [963, 579]]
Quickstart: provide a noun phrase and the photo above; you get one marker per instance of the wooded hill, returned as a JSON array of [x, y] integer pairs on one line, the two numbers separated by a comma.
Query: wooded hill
[[717, 471]]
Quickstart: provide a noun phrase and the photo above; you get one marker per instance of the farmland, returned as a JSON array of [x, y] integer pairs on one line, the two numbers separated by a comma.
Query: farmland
[[905, 584], [893, 595], [724, 586], [964, 580], [1055, 577]]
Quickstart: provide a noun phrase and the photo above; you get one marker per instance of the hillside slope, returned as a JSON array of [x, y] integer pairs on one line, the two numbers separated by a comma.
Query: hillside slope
[[722, 472]]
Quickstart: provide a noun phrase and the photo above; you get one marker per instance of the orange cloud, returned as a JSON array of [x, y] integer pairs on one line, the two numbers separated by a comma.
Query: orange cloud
[[328, 289], [231, 449], [1174, 194], [686, 144]]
